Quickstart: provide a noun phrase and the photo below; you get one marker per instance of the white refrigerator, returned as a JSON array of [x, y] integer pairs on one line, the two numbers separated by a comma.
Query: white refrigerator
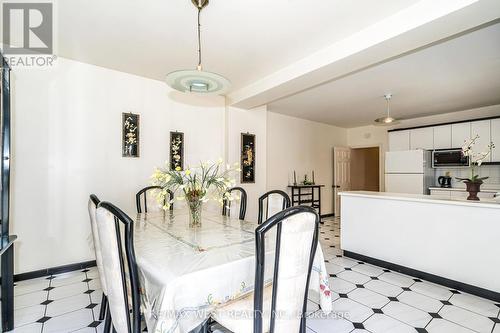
[[408, 171]]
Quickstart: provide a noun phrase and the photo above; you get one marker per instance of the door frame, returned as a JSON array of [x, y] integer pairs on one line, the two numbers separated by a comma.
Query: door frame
[[334, 188], [381, 162]]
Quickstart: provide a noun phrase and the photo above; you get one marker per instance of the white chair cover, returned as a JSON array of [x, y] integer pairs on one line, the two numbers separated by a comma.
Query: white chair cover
[[274, 204], [152, 204], [112, 271], [233, 206], [295, 254], [97, 246]]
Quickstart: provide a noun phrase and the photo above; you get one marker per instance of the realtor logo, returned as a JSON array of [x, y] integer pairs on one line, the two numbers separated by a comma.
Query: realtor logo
[[27, 28]]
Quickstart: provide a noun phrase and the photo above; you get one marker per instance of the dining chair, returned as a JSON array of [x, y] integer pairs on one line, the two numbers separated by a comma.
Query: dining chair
[[226, 207], [282, 305], [104, 313], [276, 201], [120, 267], [147, 195]]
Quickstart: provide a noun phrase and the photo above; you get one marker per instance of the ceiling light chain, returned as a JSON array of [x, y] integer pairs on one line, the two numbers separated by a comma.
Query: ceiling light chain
[[198, 80], [200, 67], [387, 120], [388, 100]]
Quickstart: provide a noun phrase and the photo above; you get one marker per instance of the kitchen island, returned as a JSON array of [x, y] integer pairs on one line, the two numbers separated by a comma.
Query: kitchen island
[[452, 242]]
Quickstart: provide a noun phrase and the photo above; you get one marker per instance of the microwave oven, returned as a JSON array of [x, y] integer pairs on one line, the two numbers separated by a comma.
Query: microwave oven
[[447, 158]]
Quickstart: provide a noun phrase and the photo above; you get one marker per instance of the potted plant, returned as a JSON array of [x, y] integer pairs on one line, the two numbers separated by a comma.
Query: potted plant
[[196, 185], [473, 184]]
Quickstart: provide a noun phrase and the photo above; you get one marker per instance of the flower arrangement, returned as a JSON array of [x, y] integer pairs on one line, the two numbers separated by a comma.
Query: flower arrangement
[[196, 185], [476, 160]]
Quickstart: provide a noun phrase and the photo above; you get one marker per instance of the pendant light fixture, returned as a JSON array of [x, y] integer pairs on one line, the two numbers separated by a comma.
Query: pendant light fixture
[[387, 120], [198, 80]]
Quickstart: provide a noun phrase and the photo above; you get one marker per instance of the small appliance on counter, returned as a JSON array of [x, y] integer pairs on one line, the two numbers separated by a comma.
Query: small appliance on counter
[[445, 181]]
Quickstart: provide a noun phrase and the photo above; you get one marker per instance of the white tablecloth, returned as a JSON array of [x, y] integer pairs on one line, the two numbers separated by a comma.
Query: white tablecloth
[[185, 273]]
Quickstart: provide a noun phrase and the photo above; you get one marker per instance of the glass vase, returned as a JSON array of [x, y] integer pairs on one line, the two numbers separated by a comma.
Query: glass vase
[[194, 212]]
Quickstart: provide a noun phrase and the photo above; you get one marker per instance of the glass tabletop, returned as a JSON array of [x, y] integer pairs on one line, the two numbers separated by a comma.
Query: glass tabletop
[[216, 231]]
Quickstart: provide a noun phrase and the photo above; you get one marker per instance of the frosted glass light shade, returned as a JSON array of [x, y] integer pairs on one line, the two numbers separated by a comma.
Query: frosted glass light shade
[[197, 81], [386, 121]]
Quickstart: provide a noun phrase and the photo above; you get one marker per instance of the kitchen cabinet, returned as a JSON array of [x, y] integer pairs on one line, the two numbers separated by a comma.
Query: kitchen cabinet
[[460, 194], [445, 194], [399, 140], [495, 138], [459, 133], [442, 137], [449, 136], [422, 138], [483, 129]]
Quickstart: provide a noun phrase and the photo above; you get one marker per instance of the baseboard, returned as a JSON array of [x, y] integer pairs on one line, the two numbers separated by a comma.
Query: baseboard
[[54, 270], [478, 291], [327, 215]]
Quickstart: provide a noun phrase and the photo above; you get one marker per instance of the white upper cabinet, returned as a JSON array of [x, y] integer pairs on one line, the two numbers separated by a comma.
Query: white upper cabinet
[[399, 140], [495, 138], [422, 138], [442, 137], [483, 129], [449, 137], [459, 133]]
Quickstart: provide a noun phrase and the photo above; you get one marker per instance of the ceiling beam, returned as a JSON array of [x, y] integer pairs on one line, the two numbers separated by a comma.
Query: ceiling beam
[[417, 26]]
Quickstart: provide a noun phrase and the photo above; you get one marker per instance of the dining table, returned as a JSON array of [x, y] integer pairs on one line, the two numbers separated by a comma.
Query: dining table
[[186, 273]]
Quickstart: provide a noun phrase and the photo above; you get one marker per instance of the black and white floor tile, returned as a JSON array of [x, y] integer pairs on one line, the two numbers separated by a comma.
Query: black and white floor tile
[[62, 303], [366, 298]]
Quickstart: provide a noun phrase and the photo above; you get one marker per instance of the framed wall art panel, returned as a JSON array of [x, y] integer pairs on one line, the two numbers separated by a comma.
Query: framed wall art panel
[[247, 158], [176, 150], [130, 135]]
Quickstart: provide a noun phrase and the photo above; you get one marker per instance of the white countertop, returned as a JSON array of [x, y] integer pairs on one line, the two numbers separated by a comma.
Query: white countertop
[[460, 189], [423, 198]]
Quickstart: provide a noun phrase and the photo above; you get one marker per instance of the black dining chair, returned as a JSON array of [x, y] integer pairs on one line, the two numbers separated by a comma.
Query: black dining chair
[[275, 201], [226, 206], [116, 239], [281, 306], [147, 195], [104, 313]]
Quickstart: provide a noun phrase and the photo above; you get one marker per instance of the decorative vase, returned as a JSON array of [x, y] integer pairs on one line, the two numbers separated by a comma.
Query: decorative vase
[[194, 212], [473, 188]]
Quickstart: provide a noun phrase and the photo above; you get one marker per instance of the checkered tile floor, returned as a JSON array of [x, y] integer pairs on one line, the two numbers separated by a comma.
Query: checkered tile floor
[[60, 303], [366, 298]]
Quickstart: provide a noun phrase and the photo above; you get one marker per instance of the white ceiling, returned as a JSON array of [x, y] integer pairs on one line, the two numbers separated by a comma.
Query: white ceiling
[[243, 40], [458, 74]]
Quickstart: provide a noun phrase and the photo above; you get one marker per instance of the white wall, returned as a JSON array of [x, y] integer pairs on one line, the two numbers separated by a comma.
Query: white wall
[[67, 144], [254, 122], [302, 145]]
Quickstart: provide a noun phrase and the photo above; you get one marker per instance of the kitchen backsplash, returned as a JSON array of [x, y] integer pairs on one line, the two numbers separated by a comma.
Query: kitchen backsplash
[[491, 171]]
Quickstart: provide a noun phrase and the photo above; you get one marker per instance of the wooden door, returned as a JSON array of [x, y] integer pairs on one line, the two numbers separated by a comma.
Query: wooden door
[[341, 174]]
